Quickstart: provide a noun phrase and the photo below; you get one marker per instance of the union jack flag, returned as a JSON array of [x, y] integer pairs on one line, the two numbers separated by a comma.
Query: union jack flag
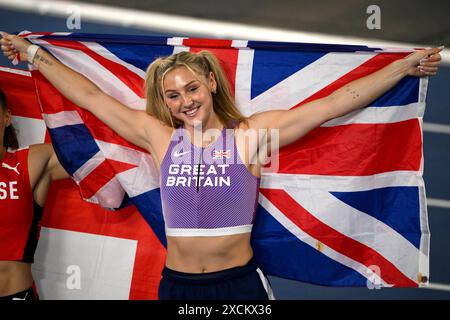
[[347, 204], [221, 154]]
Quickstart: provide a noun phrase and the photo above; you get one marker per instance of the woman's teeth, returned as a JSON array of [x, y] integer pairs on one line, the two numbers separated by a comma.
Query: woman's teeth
[[191, 112]]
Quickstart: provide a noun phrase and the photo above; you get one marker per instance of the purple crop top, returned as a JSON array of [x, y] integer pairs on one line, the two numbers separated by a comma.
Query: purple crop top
[[207, 191]]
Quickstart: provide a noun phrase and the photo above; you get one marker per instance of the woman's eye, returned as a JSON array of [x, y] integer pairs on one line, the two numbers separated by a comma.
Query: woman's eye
[[173, 97], [193, 89]]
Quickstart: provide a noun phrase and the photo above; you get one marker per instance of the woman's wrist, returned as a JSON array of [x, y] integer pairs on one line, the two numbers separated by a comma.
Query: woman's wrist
[[31, 53], [401, 68]]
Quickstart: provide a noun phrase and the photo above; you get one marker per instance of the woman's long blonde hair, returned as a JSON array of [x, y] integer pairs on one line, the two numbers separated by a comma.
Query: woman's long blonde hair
[[200, 64]]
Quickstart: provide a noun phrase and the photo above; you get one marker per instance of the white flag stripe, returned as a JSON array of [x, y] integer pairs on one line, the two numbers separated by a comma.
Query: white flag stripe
[[178, 49], [92, 255], [61, 33], [175, 41], [420, 171], [139, 180], [29, 130], [110, 195], [380, 115], [123, 154], [89, 166], [342, 183], [105, 53], [309, 240], [239, 43], [101, 76], [307, 81], [243, 80], [61, 119], [144, 177], [424, 260], [423, 89], [364, 228], [16, 71]]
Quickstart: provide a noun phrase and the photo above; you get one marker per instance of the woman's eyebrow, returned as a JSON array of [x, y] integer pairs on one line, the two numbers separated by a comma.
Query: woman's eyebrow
[[168, 90]]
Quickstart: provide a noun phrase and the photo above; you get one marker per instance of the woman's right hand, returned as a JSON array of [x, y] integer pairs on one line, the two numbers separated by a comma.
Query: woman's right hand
[[12, 45]]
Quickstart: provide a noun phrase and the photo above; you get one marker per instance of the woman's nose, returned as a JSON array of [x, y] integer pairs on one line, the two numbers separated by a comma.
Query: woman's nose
[[187, 101]]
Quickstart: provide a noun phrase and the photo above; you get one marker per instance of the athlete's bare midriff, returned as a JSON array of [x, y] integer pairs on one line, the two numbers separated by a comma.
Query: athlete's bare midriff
[[208, 254], [15, 276]]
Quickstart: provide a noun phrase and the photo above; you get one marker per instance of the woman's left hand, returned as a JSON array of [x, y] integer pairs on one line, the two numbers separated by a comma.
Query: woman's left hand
[[424, 62]]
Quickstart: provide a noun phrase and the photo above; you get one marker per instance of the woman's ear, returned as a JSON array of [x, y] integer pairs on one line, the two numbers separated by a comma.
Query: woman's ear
[[212, 82], [7, 118]]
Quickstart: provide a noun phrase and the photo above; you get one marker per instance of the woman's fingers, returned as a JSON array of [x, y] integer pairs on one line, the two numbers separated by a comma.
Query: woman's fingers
[[434, 58], [5, 43], [9, 55], [428, 54], [5, 40], [7, 52], [430, 65], [425, 56], [431, 60], [6, 35], [7, 46], [421, 71], [424, 62], [433, 51], [428, 69]]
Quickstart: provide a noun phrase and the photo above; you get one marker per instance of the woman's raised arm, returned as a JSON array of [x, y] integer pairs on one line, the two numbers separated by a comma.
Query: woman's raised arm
[[135, 126], [295, 123]]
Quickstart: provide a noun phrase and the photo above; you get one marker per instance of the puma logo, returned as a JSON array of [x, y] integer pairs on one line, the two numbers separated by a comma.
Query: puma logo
[[7, 166]]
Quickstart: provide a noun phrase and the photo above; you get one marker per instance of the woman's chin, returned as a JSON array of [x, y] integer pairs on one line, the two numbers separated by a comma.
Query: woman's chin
[[198, 120], [194, 121]]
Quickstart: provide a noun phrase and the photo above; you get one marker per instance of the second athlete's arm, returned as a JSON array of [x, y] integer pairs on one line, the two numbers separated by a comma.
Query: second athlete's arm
[[43, 168]]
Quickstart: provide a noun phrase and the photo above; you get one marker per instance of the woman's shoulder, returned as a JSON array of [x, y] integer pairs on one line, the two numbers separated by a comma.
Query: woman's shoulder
[[244, 124], [22, 152]]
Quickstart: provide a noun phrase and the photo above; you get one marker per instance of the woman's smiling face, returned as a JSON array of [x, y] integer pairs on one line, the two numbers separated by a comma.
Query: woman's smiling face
[[189, 96]]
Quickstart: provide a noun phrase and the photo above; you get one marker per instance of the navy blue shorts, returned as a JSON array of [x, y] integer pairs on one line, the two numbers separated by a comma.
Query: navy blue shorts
[[238, 283]]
